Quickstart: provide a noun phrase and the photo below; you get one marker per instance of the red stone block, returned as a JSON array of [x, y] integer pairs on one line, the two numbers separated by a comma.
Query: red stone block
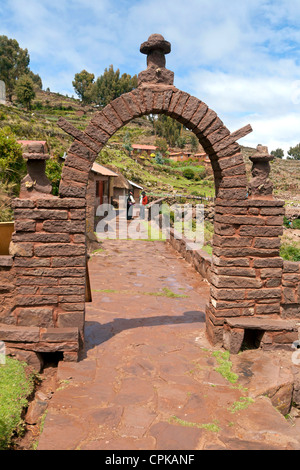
[[247, 230], [124, 113], [65, 226], [72, 174], [41, 214], [199, 114], [235, 282], [133, 104], [112, 116], [101, 121], [80, 150], [58, 249], [78, 135], [270, 272], [268, 263], [266, 242], [70, 189], [97, 134], [190, 108], [148, 99], [232, 241], [25, 225]]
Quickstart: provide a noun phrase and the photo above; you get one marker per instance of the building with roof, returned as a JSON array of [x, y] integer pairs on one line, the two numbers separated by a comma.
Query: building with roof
[[138, 149], [99, 191]]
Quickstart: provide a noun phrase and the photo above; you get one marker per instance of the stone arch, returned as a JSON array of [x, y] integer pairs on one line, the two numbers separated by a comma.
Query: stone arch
[[48, 250], [220, 145]]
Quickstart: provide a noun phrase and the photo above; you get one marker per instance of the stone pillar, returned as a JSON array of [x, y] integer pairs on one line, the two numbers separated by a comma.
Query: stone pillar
[[49, 258], [246, 278]]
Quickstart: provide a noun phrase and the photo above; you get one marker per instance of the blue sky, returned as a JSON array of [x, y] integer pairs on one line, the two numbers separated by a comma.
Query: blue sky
[[241, 57]]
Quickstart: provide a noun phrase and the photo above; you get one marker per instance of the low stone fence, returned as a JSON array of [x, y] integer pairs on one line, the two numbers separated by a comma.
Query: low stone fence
[[197, 258]]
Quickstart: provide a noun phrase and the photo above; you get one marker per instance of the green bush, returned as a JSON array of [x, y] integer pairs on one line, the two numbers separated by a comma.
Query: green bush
[[286, 222], [188, 173], [290, 252], [296, 224]]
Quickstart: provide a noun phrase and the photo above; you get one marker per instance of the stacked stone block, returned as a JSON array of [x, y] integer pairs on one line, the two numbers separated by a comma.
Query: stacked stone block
[[50, 263], [247, 275]]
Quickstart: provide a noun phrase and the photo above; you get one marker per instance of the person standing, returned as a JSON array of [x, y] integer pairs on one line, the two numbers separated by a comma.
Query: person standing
[[130, 203], [143, 203]]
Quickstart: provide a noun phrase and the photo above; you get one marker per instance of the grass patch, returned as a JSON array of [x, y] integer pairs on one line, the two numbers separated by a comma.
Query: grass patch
[[213, 427], [166, 293], [241, 404], [225, 366], [16, 385], [99, 250]]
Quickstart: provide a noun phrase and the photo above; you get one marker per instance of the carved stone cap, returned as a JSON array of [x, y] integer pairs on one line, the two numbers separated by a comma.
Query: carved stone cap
[[261, 155], [155, 41], [156, 73]]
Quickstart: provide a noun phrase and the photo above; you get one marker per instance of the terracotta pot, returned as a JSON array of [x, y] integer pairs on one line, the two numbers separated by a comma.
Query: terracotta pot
[[6, 231]]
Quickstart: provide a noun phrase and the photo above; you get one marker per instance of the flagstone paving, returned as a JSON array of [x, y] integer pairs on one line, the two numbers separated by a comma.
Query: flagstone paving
[[147, 377]]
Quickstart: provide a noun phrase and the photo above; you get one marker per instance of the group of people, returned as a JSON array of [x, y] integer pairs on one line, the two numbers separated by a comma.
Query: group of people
[[142, 203]]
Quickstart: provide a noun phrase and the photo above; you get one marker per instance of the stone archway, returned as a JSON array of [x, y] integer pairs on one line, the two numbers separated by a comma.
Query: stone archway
[[49, 240]]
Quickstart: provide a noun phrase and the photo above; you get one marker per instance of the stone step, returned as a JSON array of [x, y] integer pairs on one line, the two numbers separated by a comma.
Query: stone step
[[262, 323]]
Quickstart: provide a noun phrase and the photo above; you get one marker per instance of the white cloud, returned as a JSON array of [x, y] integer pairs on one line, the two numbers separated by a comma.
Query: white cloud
[[241, 58]]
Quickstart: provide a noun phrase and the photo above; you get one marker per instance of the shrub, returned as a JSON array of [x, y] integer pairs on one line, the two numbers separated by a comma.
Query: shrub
[[188, 173], [286, 222], [12, 164], [296, 224], [290, 252]]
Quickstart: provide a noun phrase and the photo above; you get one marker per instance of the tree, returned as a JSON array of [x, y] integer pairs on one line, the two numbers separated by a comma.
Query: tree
[[127, 143], [25, 91], [14, 63], [278, 153], [36, 79], [194, 143], [168, 128], [83, 85], [110, 86], [161, 144], [294, 152], [12, 164]]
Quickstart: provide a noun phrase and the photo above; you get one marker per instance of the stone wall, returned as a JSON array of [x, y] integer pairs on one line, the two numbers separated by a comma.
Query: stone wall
[[199, 259], [49, 262]]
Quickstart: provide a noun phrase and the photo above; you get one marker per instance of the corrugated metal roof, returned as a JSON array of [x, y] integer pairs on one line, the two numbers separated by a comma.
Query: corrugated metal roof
[[143, 147], [102, 170], [134, 184]]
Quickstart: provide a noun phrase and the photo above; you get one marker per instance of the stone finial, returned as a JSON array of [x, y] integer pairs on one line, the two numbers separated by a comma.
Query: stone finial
[[156, 48], [260, 184], [36, 179]]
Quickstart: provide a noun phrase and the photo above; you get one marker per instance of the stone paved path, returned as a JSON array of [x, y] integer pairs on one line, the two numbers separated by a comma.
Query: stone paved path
[[147, 378]]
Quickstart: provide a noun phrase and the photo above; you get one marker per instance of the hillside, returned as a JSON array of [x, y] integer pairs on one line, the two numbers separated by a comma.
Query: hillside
[[40, 123]]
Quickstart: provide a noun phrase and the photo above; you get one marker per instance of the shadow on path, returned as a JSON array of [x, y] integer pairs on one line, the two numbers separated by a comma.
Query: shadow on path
[[97, 333]]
